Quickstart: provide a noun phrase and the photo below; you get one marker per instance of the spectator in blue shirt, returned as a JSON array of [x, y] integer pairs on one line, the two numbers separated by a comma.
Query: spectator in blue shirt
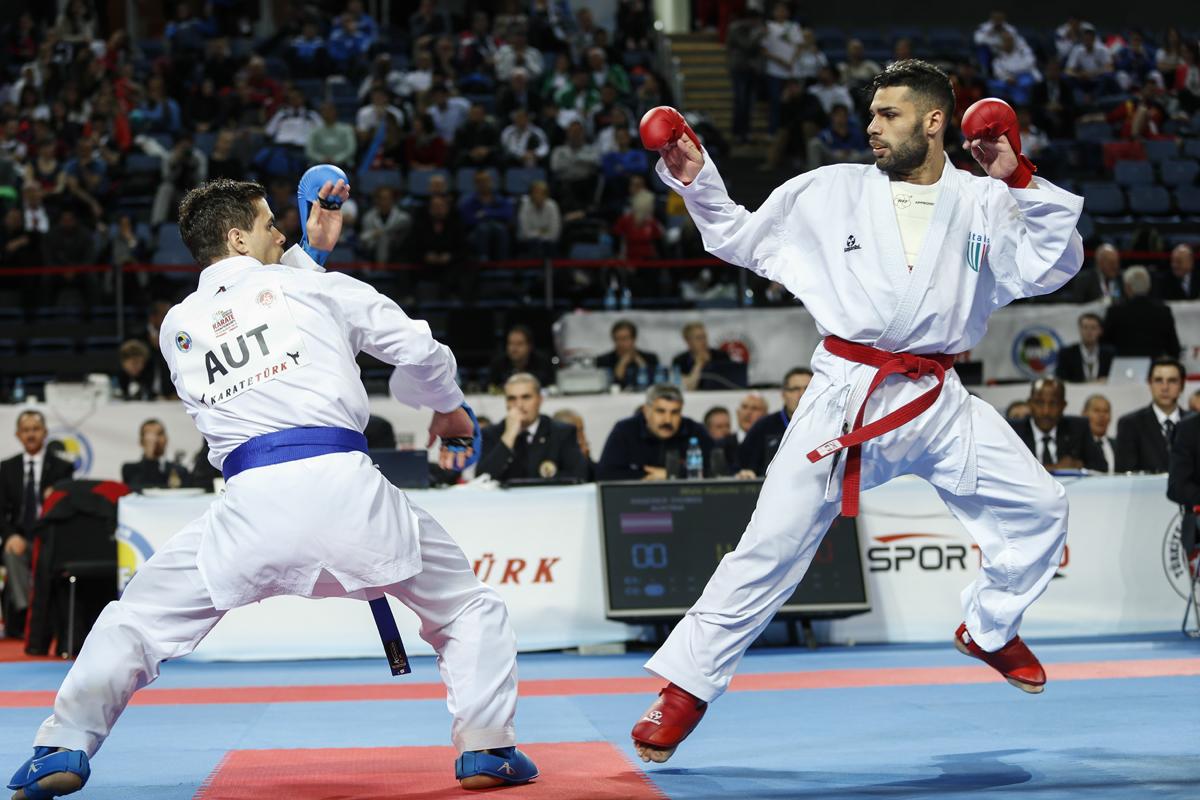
[[306, 53], [839, 143], [488, 216], [157, 113], [363, 21], [348, 46], [1134, 61], [652, 444]]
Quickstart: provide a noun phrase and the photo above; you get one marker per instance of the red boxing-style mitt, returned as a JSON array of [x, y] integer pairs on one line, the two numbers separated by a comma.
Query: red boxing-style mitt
[[991, 118], [663, 125]]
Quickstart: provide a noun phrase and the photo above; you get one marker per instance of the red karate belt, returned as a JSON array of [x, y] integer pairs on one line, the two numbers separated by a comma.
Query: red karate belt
[[911, 366]]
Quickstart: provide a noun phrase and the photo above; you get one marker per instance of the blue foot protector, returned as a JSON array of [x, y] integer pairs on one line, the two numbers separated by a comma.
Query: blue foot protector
[[51, 773], [506, 763]]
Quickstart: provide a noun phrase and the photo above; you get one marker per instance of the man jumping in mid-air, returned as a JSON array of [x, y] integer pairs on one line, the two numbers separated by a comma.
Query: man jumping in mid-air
[[901, 263]]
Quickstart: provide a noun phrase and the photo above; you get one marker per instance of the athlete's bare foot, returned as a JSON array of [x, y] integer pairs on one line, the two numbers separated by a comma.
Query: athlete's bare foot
[[59, 783], [648, 752], [476, 782]]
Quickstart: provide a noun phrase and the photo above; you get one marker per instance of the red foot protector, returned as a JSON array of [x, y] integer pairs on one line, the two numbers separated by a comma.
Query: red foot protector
[[1014, 661], [570, 770], [670, 719], [991, 118], [663, 125]]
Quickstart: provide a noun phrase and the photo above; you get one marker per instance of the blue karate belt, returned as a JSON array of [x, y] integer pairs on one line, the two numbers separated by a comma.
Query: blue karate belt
[[294, 444]]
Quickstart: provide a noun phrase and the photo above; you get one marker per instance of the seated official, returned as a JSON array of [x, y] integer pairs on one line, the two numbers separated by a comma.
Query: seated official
[[154, 470], [1183, 482], [625, 360], [752, 408], [653, 441], [529, 444], [719, 424], [692, 362], [1144, 436], [1088, 360], [761, 443], [1056, 440], [519, 356], [1097, 410]]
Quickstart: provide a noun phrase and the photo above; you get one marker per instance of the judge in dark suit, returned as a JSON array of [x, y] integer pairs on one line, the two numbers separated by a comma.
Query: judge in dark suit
[[1144, 436], [719, 424], [529, 444], [625, 360], [1098, 412], [1142, 325], [1056, 440], [761, 443], [691, 362], [1183, 479], [1088, 360], [154, 470], [1103, 281], [519, 356], [1180, 283], [24, 481]]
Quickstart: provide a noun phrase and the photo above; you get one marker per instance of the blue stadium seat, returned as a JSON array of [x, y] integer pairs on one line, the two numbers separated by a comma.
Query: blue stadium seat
[[341, 90], [1149, 200], [1085, 226], [1191, 148], [171, 249], [140, 162], [418, 180], [205, 141], [1094, 132], [343, 254], [40, 345], [92, 344], [464, 180], [312, 88], [1158, 150], [1103, 198], [517, 180], [367, 181], [1180, 172], [1187, 199], [1133, 173], [588, 250]]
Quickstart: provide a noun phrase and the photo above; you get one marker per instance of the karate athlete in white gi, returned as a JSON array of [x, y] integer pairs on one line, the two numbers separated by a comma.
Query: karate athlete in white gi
[[263, 357], [901, 263]]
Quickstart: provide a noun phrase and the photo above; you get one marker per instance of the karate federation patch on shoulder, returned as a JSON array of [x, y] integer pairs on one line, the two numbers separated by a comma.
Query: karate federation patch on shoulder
[[977, 248], [183, 342]]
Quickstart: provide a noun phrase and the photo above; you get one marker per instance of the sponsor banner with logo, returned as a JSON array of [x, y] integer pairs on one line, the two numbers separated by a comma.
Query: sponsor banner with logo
[[1023, 341], [538, 547], [1123, 571]]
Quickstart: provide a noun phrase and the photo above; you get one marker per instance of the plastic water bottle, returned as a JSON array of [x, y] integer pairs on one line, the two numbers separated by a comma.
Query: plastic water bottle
[[676, 375], [643, 377], [661, 375], [695, 460], [18, 390], [626, 299], [610, 298]]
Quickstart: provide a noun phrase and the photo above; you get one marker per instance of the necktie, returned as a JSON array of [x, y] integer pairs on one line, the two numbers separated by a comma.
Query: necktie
[[29, 502], [1169, 432], [520, 467], [1047, 458], [1103, 452]]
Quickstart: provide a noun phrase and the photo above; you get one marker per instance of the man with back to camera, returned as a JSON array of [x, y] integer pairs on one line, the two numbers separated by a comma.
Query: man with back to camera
[[527, 443], [24, 480], [263, 357], [860, 246], [1144, 436], [762, 442], [1088, 360], [652, 444], [1058, 441]]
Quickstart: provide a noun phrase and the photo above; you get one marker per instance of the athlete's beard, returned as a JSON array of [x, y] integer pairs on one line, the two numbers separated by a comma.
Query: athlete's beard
[[906, 157]]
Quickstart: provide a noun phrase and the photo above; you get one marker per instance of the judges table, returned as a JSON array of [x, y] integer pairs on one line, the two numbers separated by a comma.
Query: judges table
[[540, 548]]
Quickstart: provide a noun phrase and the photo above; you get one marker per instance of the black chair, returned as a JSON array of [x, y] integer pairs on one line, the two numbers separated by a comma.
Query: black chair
[[75, 570]]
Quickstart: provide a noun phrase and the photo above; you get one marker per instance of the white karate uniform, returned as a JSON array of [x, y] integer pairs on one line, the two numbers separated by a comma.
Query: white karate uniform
[[325, 526], [831, 237]]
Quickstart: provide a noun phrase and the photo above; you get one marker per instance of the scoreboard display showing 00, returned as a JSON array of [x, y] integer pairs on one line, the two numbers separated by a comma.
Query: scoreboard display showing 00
[[662, 541]]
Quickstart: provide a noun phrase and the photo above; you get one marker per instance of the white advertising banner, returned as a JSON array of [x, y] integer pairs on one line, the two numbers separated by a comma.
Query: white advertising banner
[[1022, 341], [1123, 571], [538, 547]]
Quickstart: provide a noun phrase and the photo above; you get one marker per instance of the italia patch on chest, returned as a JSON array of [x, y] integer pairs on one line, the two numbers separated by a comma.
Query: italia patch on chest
[[977, 249]]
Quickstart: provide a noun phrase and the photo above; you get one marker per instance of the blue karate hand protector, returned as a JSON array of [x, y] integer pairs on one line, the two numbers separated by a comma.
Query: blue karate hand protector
[[459, 444], [306, 194]]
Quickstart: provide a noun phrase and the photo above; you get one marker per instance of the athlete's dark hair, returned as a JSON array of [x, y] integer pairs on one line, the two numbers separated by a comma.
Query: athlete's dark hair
[[930, 86], [211, 210]]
